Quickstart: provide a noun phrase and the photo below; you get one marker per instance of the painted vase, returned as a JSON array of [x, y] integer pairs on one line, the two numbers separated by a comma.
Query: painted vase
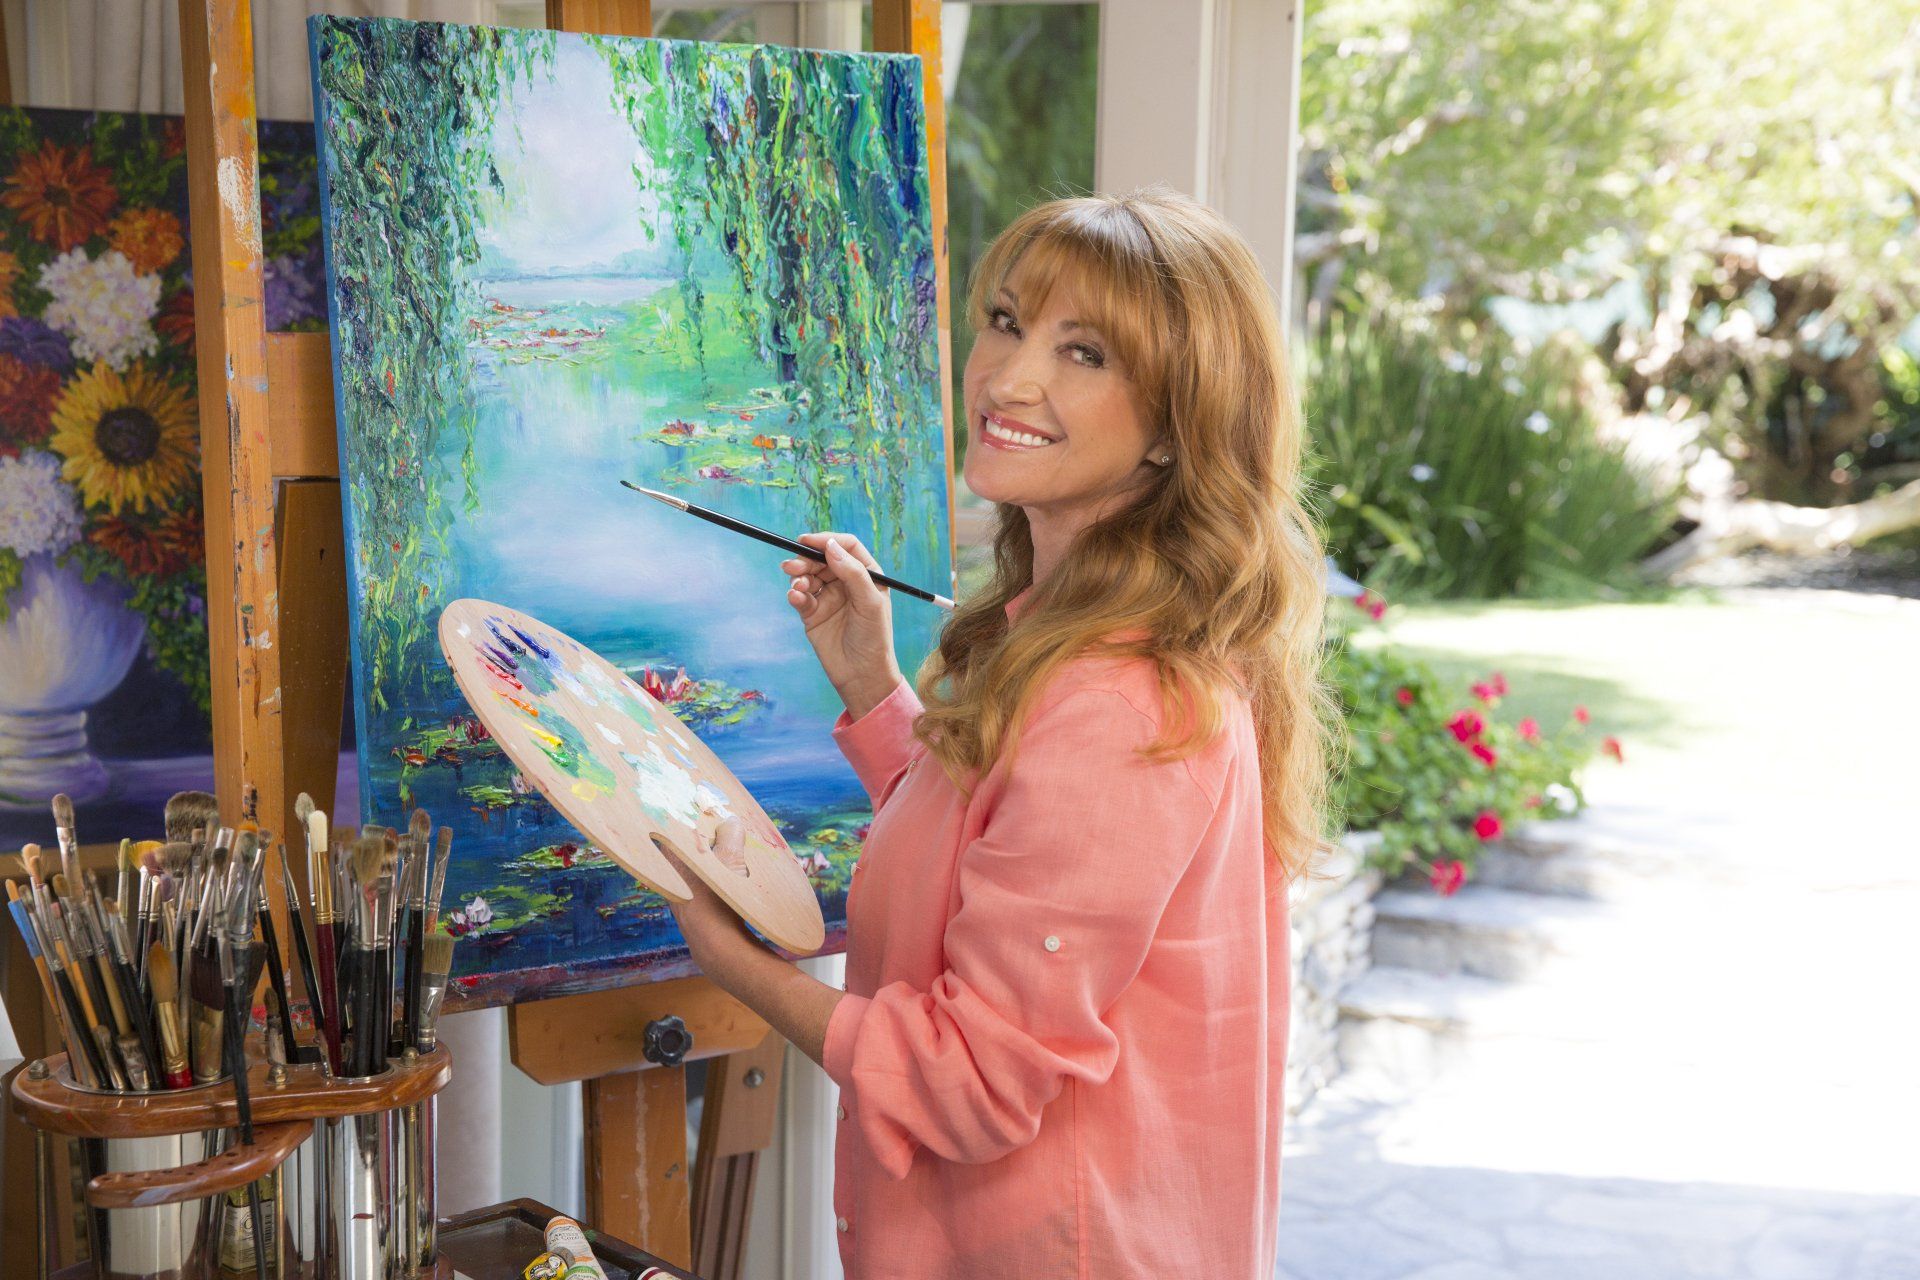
[[65, 644]]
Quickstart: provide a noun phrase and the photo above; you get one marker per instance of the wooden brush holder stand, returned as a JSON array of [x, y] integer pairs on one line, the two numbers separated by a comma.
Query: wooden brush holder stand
[[159, 1165]]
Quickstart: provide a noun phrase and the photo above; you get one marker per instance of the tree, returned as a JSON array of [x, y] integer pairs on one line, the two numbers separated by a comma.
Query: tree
[[1753, 172]]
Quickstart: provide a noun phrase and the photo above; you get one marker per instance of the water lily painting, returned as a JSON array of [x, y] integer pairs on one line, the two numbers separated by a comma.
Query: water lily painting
[[103, 638], [557, 262]]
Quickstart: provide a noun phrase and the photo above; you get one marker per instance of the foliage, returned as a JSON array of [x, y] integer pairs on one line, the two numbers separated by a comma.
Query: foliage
[[810, 173], [415, 193], [1449, 474], [1742, 177], [1431, 769]]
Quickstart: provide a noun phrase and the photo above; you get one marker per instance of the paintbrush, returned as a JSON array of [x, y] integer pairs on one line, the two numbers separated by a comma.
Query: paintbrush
[[63, 828], [104, 1058], [188, 810], [785, 544], [297, 920], [442, 855], [270, 940], [419, 832], [234, 942], [175, 1073], [83, 1050], [122, 883], [320, 866], [141, 1033], [101, 990], [66, 1009], [438, 963], [370, 874]]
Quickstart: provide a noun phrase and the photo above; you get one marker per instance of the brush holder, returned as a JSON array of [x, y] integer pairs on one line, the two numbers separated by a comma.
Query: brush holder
[[176, 1241]]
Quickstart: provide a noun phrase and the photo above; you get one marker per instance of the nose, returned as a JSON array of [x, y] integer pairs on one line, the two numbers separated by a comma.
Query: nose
[[1021, 377]]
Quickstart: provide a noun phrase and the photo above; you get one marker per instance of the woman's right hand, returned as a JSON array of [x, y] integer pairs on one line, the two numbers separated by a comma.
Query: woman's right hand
[[849, 618]]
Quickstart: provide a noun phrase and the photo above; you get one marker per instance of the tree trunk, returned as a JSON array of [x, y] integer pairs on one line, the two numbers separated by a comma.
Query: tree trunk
[[1777, 526]]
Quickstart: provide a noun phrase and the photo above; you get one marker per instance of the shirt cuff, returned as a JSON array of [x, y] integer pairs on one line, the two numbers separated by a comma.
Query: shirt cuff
[[843, 1030], [880, 742]]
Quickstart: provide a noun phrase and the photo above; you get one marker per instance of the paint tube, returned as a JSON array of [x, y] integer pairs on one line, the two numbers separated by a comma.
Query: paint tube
[[565, 1236]]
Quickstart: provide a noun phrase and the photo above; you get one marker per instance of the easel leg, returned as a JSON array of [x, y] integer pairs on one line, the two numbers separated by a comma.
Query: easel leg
[[638, 1192], [736, 1124]]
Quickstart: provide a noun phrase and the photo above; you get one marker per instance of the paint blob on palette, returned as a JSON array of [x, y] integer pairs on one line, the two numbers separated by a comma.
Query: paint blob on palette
[[623, 768]]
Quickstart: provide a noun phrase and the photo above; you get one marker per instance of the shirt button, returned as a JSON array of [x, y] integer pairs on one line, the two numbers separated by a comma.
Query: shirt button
[[1052, 943], [840, 1224], [841, 1111]]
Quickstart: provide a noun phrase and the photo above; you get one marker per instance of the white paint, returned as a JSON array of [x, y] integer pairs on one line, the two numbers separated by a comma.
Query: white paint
[[608, 734], [241, 204]]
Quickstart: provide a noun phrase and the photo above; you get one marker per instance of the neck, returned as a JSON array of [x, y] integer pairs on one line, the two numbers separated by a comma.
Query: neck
[[1052, 533]]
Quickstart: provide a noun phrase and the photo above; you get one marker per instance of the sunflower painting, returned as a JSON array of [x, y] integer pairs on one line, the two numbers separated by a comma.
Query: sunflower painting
[[103, 641]]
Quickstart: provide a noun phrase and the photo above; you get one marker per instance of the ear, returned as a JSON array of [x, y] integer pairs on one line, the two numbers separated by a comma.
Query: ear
[[1160, 453]]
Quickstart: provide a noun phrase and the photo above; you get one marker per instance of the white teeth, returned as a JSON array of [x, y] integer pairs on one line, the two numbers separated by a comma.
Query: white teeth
[[1024, 438]]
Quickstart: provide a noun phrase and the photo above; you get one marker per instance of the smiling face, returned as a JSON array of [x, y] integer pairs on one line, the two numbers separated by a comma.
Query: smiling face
[[1054, 419]]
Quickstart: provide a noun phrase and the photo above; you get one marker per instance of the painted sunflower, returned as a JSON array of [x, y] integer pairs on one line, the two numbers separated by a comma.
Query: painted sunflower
[[128, 439], [61, 195], [150, 238]]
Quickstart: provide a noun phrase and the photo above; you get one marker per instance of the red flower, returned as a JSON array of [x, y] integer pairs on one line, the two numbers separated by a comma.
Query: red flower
[[1499, 685], [1533, 802], [1467, 726], [144, 551], [1486, 693], [1404, 696], [1371, 605], [175, 321], [1484, 754], [1530, 730], [1487, 826], [1611, 745], [1580, 714], [61, 195], [1448, 875], [27, 396], [184, 536]]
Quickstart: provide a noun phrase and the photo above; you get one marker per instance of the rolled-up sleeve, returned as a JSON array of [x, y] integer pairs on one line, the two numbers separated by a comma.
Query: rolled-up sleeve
[[880, 743], [1060, 896]]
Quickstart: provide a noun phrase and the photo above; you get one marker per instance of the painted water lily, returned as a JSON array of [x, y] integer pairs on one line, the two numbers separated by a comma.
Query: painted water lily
[[129, 441], [103, 305]]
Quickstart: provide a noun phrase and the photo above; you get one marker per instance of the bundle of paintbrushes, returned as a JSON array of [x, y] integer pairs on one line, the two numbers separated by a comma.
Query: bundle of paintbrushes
[[153, 989]]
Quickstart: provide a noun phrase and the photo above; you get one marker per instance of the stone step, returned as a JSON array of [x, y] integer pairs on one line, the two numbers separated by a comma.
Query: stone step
[[1411, 1025], [1485, 930]]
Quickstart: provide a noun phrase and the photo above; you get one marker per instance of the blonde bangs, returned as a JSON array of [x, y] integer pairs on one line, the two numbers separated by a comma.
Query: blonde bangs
[[1103, 258]]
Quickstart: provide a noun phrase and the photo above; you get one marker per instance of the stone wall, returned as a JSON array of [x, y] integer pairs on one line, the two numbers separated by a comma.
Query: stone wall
[[1332, 925]]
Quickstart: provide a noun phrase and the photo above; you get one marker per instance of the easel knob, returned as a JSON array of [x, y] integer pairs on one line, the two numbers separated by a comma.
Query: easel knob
[[667, 1042]]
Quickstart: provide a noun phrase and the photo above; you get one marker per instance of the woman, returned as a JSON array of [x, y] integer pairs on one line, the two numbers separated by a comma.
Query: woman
[[1062, 1041]]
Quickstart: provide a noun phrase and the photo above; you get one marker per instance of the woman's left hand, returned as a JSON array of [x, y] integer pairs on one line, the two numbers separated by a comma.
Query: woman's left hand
[[714, 934]]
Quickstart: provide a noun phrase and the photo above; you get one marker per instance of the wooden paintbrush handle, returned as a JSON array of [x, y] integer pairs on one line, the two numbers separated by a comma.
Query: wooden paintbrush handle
[[237, 1166]]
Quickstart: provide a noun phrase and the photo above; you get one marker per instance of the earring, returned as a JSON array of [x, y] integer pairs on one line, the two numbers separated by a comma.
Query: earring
[[1165, 458]]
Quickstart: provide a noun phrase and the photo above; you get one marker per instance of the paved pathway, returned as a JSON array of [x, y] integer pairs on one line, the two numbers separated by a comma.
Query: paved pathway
[[1723, 1079]]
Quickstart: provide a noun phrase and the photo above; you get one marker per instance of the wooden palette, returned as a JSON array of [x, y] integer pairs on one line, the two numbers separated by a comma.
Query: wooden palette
[[622, 768]]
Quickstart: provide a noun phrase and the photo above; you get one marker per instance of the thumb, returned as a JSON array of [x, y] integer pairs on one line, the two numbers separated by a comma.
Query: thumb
[[862, 592]]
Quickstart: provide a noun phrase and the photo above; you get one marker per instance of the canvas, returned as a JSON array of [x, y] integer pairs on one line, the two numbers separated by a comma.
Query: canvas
[[103, 636], [560, 261]]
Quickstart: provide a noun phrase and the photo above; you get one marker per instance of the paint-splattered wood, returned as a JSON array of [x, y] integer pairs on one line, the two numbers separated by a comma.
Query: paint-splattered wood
[[55, 1105], [638, 1190], [913, 26], [243, 605], [303, 438], [598, 1033], [602, 17], [624, 769]]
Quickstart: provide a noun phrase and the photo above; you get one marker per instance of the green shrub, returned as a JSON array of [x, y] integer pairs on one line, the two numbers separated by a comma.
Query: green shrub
[[1442, 475], [1411, 771]]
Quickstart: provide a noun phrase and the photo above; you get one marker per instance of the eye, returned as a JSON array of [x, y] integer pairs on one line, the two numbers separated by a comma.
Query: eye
[[1087, 356], [1000, 320]]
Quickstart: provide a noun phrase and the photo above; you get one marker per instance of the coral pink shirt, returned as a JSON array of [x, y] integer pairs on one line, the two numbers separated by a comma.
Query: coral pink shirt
[[1063, 1042]]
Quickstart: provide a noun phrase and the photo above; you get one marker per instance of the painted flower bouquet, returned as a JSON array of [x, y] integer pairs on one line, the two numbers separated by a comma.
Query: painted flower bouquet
[[99, 421]]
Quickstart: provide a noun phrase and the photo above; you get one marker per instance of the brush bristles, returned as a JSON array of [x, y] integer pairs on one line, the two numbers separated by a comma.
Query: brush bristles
[[63, 812], [176, 858], [35, 861], [187, 810], [166, 988], [437, 955]]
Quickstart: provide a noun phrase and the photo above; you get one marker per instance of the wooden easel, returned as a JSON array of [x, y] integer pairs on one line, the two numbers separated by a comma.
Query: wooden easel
[[277, 618]]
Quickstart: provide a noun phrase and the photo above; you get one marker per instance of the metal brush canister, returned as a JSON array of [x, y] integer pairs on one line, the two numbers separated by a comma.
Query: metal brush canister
[[360, 1169], [157, 1242]]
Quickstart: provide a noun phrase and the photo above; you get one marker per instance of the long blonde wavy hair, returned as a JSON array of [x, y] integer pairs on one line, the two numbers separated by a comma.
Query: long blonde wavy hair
[[1216, 564]]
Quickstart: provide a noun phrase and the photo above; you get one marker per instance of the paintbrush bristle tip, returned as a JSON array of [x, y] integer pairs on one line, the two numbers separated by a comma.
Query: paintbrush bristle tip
[[62, 810]]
